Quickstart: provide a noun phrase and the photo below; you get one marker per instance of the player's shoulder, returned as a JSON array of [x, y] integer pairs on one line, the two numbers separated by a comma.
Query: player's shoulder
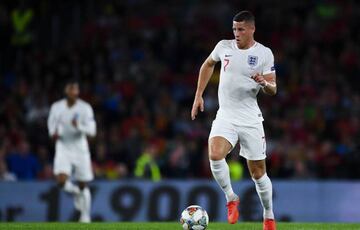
[[83, 103], [59, 103], [263, 49], [225, 43]]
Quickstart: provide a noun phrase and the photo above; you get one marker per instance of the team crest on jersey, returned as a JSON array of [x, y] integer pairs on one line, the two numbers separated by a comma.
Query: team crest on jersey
[[252, 60]]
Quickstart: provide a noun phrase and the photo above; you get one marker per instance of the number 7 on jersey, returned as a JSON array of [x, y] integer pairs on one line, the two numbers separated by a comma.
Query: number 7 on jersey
[[226, 63]]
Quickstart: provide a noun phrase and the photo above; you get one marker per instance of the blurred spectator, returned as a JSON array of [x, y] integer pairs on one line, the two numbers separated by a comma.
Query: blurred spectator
[[146, 165], [105, 168], [23, 163], [21, 19], [178, 163], [45, 167], [5, 175]]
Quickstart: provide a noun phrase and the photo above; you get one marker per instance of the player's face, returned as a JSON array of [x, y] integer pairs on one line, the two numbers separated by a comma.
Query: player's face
[[72, 91], [243, 33]]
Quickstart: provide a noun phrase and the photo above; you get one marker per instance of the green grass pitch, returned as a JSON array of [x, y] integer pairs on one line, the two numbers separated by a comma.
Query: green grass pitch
[[171, 226]]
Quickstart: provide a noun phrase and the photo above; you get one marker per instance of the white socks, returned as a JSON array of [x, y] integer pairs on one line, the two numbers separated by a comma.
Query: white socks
[[220, 171], [264, 189], [85, 205]]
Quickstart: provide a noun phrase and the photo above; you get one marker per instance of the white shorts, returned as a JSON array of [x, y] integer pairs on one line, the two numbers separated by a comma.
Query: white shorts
[[74, 164], [251, 137]]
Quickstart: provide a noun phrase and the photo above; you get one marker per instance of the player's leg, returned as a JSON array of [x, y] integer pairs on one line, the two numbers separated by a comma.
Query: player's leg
[[263, 186], [63, 182], [264, 189], [61, 179], [85, 202], [253, 148], [83, 174], [221, 140], [219, 147], [62, 170]]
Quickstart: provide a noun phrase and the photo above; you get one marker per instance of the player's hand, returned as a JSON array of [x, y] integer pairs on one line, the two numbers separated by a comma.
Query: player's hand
[[74, 122], [198, 103], [258, 78], [56, 136]]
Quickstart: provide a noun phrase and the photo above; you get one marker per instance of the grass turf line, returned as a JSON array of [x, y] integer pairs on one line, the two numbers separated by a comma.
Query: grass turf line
[[171, 226]]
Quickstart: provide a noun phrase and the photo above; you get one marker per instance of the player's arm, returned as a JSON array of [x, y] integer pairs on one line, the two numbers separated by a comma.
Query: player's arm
[[87, 124], [206, 71], [52, 123], [267, 82]]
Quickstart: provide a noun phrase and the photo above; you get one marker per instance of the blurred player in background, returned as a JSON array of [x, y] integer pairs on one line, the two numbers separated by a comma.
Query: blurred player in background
[[246, 68], [70, 121]]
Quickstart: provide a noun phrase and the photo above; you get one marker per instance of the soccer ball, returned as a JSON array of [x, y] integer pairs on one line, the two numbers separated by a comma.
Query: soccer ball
[[194, 217]]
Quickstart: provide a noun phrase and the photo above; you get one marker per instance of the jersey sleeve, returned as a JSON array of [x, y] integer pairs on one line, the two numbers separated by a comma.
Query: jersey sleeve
[[52, 120], [269, 66], [215, 54], [87, 123]]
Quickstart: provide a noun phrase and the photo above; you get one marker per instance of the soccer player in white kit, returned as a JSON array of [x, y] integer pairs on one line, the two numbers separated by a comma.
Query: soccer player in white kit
[[70, 121], [246, 68]]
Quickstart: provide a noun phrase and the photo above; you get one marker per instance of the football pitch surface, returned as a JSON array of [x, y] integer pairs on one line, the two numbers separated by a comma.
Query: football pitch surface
[[171, 226]]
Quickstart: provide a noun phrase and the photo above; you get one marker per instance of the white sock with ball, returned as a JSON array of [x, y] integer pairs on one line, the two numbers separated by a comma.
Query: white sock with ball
[[264, 189], [220, 171]]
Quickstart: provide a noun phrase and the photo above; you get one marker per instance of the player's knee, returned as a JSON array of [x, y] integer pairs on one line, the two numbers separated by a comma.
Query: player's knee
[[61, 180], [216, 157], [61, 184], [216, 154], [82, 185], [257, 173]]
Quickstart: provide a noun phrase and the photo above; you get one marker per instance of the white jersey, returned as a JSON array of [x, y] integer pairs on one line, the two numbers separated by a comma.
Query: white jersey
[[72, 140], [237, 90]]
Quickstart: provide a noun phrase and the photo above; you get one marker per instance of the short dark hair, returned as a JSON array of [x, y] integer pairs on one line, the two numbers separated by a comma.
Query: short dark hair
[[71, 81], [245, 16]]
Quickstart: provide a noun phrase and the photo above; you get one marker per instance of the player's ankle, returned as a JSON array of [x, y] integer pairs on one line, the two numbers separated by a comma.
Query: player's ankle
[[232, 197], [269, 214]]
